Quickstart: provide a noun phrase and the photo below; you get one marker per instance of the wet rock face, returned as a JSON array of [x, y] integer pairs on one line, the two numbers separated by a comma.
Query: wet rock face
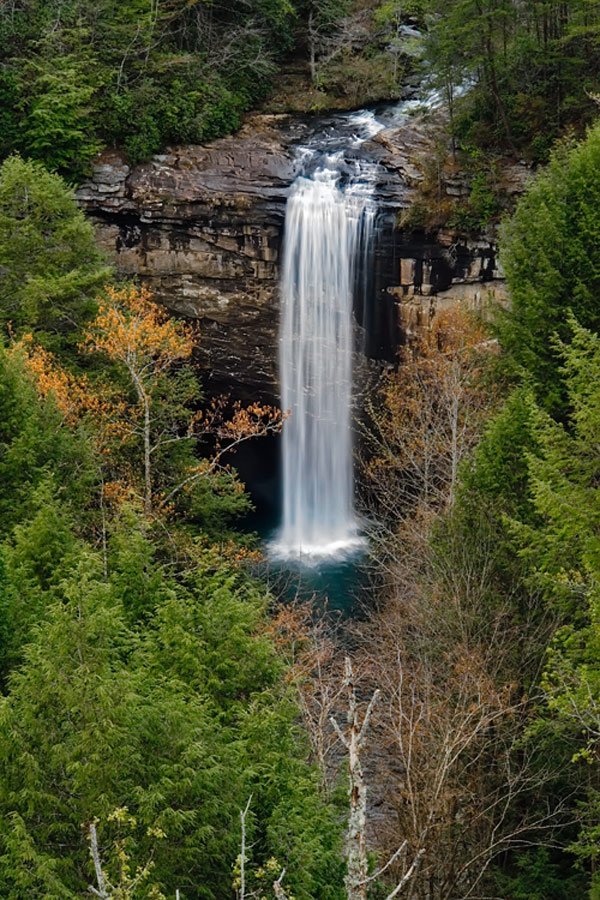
[[416, 275], [202, 226]]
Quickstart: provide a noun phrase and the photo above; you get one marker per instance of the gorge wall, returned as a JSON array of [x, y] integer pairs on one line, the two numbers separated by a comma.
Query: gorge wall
[[202, 226]]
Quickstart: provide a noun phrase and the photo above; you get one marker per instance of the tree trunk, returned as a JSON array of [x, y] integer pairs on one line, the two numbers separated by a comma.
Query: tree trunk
[[147, 462], [312, 46], [144, 400], [357, 862]]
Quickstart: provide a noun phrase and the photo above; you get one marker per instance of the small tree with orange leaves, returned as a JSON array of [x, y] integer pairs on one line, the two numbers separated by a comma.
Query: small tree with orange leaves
[[138, 335], [424, 422], [150, 401], [154, 351], [429, 415], [74, 396]]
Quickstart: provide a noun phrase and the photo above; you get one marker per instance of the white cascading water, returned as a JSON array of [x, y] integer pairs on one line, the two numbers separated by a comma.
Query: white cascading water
[[328, 231]]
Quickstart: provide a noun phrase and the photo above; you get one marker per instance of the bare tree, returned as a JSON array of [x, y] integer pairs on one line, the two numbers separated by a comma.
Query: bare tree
[[444, 647], [461, 783], [354, 739], [425, 421], [309, 638], [102, 890], [428, 417], [330, 34], [243, 860], [241, 880]]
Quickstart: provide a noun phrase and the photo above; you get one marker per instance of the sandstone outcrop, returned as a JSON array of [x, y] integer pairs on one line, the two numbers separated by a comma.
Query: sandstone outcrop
[[203, 227]]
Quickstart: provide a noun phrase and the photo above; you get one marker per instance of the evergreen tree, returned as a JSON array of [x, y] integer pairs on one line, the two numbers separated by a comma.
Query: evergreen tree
[[33, 561], [532, 68], [76, 76], [178, 722], [551, 253], [58, 122], [36, 448], [85, 733], [51, 266], [562, 553], [211, 637]]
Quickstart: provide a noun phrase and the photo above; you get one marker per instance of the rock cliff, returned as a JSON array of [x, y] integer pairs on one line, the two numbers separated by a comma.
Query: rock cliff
[[203, 226]]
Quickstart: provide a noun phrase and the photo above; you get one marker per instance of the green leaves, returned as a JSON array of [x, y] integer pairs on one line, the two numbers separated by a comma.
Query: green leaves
[[39, 554], [179, 721], [533, 66], [77, 77], [51, 266], [560, 547], [35, 449], [135, 680], [551, 254], [59, 121]]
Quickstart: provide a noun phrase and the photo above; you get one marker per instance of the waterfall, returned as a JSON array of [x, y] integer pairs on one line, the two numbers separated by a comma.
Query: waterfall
[[328, 230]]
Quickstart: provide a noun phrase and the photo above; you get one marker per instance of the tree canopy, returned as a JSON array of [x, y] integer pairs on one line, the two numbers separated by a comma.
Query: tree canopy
[[550, 250], [75, 77], [51, 266]]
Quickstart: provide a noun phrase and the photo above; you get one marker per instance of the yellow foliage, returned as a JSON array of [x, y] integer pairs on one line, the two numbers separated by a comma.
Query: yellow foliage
[[72, 394], [132, 329]]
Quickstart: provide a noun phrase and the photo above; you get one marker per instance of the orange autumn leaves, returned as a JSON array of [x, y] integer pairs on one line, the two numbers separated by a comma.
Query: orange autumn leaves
[[428, 415], [72, 395], [149, 348], [130, 328]]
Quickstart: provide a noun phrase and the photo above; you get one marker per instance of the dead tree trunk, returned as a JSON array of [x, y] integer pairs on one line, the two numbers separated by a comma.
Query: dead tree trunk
[[357, 862], [102, 891], [243, 817], [353, 740]]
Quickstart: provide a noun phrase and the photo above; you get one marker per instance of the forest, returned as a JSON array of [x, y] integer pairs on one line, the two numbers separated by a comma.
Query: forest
[[172, 725]]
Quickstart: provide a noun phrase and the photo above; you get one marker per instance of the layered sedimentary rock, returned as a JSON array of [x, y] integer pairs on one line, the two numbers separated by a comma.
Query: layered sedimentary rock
[[203, 227], [443, 274], [436, 271]]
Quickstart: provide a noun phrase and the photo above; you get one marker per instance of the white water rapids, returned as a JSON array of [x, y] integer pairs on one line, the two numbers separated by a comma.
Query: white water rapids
[[328, 233]]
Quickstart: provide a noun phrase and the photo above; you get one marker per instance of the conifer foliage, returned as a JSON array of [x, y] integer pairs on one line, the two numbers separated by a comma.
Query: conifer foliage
[[51, 267], [143, 699]]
